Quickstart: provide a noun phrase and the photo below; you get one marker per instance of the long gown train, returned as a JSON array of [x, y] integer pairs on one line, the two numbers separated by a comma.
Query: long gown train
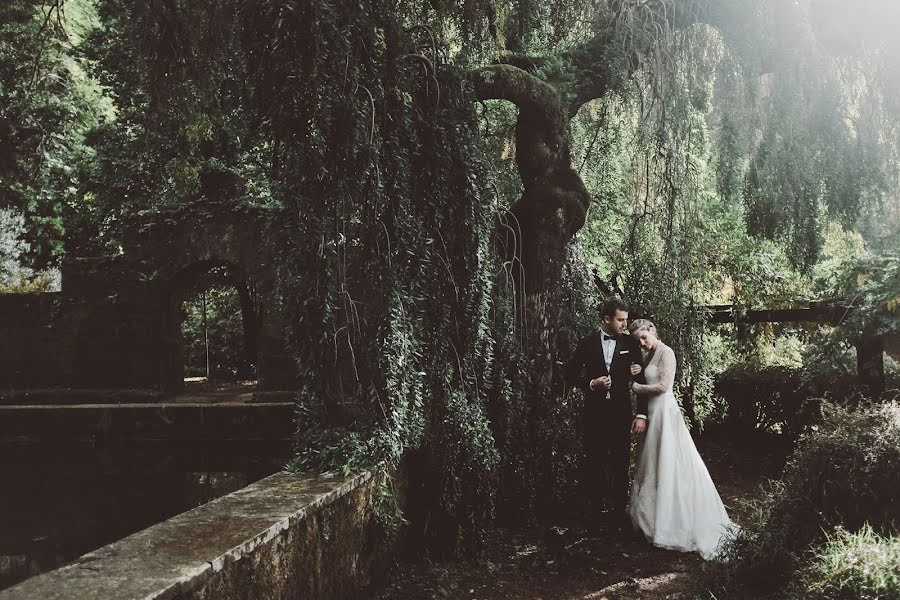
[[673, 499]]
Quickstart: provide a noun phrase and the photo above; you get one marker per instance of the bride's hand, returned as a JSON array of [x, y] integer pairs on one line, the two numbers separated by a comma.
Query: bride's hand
[[635, 369], [639, 425]]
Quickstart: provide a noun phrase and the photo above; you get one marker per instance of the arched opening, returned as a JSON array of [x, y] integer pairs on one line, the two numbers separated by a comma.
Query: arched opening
[[214, 346], [212, 328]]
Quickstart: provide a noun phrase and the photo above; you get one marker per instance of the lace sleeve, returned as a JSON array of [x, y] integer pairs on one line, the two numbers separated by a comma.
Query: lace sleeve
[[665, 364]]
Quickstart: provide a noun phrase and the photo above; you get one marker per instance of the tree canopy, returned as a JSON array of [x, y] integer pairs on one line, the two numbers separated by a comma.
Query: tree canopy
[[451, 187]]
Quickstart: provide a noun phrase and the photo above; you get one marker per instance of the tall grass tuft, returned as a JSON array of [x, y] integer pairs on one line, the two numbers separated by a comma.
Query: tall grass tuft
[[852, 566]]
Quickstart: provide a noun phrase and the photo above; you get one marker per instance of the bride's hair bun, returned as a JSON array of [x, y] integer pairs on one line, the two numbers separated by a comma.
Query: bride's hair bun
[[641, 325]]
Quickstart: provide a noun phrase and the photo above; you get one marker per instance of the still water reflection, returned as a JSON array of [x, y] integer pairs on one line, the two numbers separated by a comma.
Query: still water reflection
[[58, 502]]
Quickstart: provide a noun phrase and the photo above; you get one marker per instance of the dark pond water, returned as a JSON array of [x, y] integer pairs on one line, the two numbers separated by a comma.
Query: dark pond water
[[58, 502]]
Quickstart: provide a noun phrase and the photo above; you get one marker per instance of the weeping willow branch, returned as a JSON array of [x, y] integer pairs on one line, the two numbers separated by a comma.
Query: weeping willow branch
[[56, 6]]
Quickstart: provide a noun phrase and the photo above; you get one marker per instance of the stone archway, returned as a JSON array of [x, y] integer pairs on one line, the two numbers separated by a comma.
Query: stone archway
[[188, 280], [111, 326], [179, 246]]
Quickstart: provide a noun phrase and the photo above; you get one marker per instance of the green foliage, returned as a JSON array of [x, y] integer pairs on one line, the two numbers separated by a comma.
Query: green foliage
[[662, 236], [841, 475], [12, 246], [539, 430], [841, 249], [714, 187], [872, 285], [48, 104], [393, 202], [184, 132], [388, 513], [350, 126], [367, 162], [852, 566], [774, 399], [15, 277], [869, 287], [810, 128], [223, 331]]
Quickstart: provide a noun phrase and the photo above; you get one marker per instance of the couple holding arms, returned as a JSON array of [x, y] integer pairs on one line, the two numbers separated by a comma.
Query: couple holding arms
[[672, 500]]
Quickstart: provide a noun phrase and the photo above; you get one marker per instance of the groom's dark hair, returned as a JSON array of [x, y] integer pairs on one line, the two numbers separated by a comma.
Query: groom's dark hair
[[610, 307]]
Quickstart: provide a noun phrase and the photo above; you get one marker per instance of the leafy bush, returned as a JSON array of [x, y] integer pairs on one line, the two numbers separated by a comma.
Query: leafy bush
[[853, 566], [771, 398], [15, 276], [873, 283], [784, 399], [842, 474]]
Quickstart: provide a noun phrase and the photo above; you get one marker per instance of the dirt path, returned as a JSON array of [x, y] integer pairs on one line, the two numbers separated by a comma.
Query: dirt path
[[569, 564]]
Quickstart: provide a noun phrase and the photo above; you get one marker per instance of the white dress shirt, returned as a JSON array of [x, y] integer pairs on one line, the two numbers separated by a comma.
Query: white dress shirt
[[609, 352]]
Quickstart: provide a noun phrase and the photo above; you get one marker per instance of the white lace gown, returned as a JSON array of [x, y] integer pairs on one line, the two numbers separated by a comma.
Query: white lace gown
[[673, 499]]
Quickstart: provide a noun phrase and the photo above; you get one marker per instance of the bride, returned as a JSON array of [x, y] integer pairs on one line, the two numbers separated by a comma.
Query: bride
[[673, 499]]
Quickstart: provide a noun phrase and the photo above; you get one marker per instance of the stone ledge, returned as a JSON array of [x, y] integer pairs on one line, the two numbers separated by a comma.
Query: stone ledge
[[136, 422], [77, 396], [64, 396], [286, 536]]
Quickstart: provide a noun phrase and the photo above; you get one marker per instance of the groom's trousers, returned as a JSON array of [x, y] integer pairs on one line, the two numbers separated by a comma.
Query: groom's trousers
[[607, 444]]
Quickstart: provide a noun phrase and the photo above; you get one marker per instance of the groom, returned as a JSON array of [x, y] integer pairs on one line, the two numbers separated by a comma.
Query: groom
[[603, 366]]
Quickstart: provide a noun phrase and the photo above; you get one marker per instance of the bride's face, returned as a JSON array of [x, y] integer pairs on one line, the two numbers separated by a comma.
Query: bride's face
[[645, 338]]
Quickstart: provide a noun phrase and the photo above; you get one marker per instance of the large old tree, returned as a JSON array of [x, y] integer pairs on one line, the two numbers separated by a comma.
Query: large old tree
[[622, 38], [425, 286]]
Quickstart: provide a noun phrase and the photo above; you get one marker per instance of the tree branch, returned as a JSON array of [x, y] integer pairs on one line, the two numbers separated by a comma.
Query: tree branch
[[529, 93]]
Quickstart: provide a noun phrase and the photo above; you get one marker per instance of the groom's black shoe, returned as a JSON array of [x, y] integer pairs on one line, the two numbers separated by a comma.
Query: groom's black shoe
[[635, 536], [619, 522], [607, 524], [599, 523]]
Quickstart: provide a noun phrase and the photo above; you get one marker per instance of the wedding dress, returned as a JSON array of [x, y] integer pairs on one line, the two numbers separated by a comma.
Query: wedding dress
[[673, 499]]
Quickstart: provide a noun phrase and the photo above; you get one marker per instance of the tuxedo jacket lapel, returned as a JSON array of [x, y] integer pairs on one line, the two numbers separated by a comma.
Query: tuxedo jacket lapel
[[603, 356], [616, 351]]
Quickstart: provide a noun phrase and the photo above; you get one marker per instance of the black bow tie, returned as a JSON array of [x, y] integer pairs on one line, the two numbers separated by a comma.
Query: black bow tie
[[610, 337]]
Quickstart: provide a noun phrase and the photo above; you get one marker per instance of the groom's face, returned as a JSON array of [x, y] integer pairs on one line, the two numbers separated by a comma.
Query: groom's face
[[616, 323]]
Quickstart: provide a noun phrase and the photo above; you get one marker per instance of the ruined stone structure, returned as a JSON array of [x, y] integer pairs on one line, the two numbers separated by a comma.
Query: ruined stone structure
[[116, 322]]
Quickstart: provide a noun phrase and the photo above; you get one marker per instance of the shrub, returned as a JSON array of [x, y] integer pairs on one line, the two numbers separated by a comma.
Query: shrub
[[772, 399], [852, 566], [842, 474]]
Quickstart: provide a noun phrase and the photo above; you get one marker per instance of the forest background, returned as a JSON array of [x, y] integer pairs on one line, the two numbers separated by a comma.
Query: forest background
[[451, 188]]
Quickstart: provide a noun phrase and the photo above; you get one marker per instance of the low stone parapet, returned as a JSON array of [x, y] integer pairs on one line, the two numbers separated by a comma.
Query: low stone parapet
[[286, 536]]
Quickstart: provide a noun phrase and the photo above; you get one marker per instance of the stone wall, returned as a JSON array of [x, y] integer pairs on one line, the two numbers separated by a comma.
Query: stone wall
[[286, 536], [100, 341], [145, 422], [30, 331], [116, 323]]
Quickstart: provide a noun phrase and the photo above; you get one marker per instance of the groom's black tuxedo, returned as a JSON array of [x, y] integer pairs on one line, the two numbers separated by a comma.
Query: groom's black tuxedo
[[588, 363], [607, 420]]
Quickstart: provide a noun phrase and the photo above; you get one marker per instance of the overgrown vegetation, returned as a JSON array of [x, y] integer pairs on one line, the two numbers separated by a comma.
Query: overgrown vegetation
[[48, 106], [862, 565], [840, 479], [15, 276], [450, 188]]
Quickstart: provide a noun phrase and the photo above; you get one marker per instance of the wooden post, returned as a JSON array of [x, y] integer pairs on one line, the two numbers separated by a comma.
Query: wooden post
[[205, 335], [870, 364]]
